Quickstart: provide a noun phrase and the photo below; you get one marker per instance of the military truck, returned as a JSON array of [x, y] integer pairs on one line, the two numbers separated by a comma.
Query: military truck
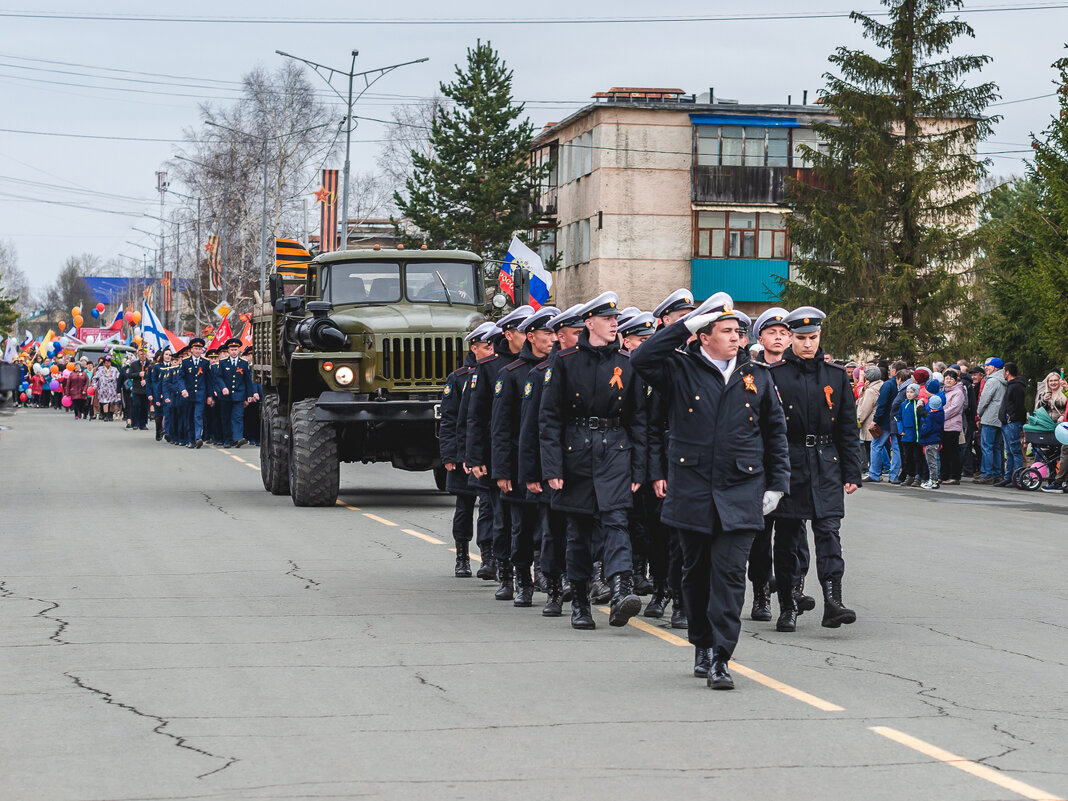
[[353, 358]]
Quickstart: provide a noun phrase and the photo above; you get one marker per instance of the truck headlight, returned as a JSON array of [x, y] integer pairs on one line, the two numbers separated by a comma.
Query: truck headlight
[[343, 375]]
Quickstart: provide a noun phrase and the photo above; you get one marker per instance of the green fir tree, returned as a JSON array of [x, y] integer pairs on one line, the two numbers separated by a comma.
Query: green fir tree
[[8, 315], [882, 227], [474, 190]]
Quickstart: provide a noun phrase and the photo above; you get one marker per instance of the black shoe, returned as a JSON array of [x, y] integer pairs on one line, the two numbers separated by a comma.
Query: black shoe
[[719, 678], [678, 613], [541, 582], [702, 662], [228, 445], [804, 603], [581, 617], [599, 590], [554, 604], [787, 612], [488, 570], [159, 437], [835, 613], [525, 596], [643, 585], [240, 442], [761, 603], [625, 604], [199, 444], [191, 446], [658, 602], [506, 581], [463, 561], [1003, 483], [565, 589], [1053, 486]]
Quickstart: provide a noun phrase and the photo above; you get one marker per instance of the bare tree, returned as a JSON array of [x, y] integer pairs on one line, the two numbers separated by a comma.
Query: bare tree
[[408, 133], [13, 281], [69, 289]]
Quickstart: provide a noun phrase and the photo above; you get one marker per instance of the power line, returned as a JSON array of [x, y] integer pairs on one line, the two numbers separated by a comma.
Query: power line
[[1023, 99]]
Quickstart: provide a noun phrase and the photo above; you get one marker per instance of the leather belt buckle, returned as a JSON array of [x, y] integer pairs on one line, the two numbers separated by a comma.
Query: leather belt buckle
[[810, 440], [594, 423]]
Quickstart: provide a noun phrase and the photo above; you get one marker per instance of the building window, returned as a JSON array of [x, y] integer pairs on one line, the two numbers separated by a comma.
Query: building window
[[740, 235], [737, 146], [587, 154], [584, 239]]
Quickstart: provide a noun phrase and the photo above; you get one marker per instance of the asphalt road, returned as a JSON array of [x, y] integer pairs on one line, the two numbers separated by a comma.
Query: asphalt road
[[168, 630]]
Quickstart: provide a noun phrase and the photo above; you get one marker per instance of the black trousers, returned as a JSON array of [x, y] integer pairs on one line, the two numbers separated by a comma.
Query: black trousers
[[713, 585], [463, 524], [553, 540], [951, 466], [761, 557], [789, 534], [484, 523], [603, 534], [138, 410], [502, 525], [912, 461], [524, 519]]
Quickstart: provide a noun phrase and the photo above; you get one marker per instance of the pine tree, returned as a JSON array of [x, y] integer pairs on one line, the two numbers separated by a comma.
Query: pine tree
[[474, 189], [8, 314], [881, 229]]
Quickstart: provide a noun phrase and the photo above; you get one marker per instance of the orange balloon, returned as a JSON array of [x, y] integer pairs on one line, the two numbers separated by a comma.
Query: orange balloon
[[69, 367], [75, 311], [78, 321], [136, 318], [55, 368], [62, 326]]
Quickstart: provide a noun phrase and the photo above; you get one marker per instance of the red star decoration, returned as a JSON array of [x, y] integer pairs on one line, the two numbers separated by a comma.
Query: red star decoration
[[210, 246], [323, 195]]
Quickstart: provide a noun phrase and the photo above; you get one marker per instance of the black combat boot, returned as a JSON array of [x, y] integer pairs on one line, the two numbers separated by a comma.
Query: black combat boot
[[599, 590], [541, 582], [719, 678], [463, 560], [804, 603], [702, 662], [642, 584], [525, 595], [506, 588], [488, 571], [678, 612], [787, 611], [657, 604], [581, 617], [835, 613], [565, 589], [761, 603], [554, 604], [625, 604]]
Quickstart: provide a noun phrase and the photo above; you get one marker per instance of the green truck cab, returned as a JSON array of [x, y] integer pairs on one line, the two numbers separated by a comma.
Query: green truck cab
[[353, 359]]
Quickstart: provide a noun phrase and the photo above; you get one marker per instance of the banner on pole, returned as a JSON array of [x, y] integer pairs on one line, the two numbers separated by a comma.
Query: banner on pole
[[326, 195]]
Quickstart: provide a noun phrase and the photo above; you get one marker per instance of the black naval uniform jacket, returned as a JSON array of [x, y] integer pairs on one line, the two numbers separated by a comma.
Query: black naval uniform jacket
[[505, 420], [821, 427], [452, 431], [726, 443], [529, 443], [597, 462], [479, 408]]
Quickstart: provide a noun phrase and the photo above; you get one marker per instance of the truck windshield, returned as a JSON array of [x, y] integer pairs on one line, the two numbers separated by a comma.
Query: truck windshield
[[452, 282], [363, 282]]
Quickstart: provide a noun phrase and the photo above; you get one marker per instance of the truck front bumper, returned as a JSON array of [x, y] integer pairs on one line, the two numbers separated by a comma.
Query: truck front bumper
[[344, 407]]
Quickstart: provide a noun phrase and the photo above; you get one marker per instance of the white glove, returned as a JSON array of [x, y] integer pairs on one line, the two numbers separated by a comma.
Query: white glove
[[696, 323], [771, 500]]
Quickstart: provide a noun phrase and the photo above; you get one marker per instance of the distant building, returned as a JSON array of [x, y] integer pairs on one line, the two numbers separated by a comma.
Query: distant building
[[655, 189], [365, 234]]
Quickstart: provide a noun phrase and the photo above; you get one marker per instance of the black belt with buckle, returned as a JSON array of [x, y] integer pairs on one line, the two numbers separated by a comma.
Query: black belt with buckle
[[597, 423], [813, 440]]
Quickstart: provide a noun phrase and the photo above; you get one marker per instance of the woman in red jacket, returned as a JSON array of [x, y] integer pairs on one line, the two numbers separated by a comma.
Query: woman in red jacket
[[76, 383]]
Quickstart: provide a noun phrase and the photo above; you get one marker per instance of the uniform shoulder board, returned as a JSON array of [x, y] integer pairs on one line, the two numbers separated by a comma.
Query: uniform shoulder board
[[841, 367], [489, 358], [567, 352], [516, 365], [776, 365], [622, 352], [527, 388], [542, 365]]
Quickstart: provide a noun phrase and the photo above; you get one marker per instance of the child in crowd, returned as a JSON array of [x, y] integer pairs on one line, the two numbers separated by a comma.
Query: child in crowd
[[909, 418], [930, 438]]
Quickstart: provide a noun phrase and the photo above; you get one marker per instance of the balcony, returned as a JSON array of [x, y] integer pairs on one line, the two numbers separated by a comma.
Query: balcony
[[751, 185], [745, 280]]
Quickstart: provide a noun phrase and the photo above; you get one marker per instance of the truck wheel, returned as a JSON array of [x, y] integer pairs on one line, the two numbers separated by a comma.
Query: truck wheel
[[274, 450], [440, 474], [314, 469]]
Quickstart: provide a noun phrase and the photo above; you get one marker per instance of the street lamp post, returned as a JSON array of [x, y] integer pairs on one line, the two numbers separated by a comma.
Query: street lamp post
[[369, 78]]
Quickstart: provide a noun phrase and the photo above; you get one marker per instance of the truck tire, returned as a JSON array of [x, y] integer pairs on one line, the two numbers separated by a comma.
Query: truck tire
[[440, 474], [274, 448], [314, 469]]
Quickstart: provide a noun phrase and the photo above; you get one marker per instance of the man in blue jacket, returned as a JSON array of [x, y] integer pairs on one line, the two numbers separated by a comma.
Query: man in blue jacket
[[883, 419], [234, 390]]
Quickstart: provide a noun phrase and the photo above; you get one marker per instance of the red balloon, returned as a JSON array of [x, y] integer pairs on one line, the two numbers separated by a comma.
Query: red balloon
[[100, 308], [22, 397], [128, 317]]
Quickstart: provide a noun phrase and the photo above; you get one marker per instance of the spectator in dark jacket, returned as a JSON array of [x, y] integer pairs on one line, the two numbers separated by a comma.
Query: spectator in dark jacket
[[903, 379], [1013, 415], [883, 418]]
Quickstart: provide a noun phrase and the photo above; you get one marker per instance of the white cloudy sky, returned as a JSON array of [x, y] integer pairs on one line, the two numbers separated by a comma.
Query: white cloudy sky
[[556, 68]]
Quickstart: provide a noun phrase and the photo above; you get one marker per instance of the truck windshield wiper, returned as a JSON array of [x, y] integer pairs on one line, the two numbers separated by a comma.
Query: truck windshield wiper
[[448, 297]]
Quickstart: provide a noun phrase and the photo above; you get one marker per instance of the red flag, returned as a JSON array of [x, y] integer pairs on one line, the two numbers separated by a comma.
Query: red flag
[[246, 333], [222, 333], [507, 284]]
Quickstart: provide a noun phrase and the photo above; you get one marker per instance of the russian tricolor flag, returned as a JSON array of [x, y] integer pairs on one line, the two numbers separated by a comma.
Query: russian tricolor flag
[[522, 257]]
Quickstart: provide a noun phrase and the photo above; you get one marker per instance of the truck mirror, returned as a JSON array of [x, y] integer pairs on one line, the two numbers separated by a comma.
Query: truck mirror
[[277, 288]]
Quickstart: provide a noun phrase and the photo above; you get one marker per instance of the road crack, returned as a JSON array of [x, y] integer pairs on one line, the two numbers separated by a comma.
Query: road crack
[[215, 505], [51, 606], [310, 583], [394, 551], [161, 725]]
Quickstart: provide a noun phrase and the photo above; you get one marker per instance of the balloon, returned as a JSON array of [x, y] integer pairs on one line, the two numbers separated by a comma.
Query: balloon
[[95, 313], [128, 317], [91, 391], [53, 385], [37, 369], [78, 321], [100, 308], [67, 401], [55, 368], [75, 311], [64, 341], [62, 326], [136, 317], [22, 397], [1061, 432], [25, 385]]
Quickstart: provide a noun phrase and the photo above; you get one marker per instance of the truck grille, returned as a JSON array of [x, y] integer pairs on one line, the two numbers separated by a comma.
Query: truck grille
[[427, 360]]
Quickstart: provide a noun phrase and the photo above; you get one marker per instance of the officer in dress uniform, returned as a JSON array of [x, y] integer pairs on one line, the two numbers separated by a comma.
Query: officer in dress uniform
[[155, 389], [172, 391], [593, 453], [821, 425], [451, 435], [233, 385], [728, 466], [194, 377], [508, 343], [252, 408], [566, 326], [505, 421]]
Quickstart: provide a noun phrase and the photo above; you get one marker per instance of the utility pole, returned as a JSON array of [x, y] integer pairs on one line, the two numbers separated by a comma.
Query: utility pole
[[369, 78], [161, 187]]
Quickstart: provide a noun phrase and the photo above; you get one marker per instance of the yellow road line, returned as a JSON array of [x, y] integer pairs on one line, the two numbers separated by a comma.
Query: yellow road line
[[353, 508], [378, 519], [422, 536], [974, 768], [253, 466], [742, 670]]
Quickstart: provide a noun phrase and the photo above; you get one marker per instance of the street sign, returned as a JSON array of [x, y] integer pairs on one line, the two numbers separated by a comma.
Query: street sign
[[223, 309]]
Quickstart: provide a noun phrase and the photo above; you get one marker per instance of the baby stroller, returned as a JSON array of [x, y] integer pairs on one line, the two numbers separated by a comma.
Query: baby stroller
[[1039, 434]]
